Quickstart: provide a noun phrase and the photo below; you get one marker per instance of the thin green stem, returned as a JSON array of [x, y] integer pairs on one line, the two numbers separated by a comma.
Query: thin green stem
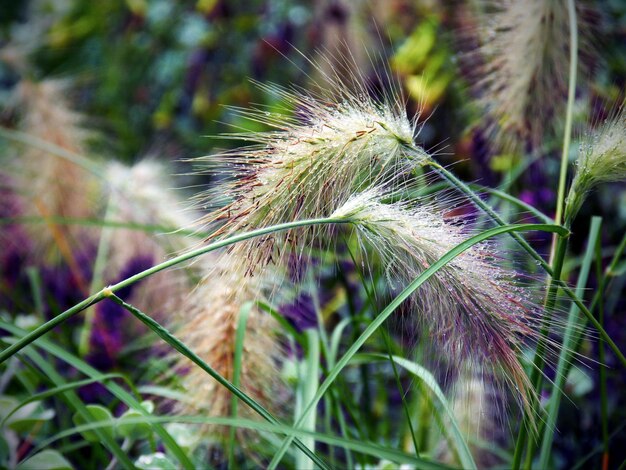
[[559, 246], [610, 271], [478, 202], [240, 336], [309, 387], [538, 361], [604, 418], [97, 297], [569, 113], [569, 340]]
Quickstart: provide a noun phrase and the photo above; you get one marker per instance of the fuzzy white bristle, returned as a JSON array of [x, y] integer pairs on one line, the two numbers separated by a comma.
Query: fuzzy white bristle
[[309, 166], [524, 50], [474, 308]]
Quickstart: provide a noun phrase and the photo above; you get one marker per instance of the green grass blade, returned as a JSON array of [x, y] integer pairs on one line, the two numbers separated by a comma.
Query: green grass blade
[[76, 403], [432, 270], [569, 111], [569, 340], [185, 351], [379, 452], [429, 380], [59, 389], [309, 388], [604, 414], [119, 392], [244, 313]]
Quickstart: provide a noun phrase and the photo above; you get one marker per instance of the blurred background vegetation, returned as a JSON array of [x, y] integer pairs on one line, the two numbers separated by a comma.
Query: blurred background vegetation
[[157, 77]]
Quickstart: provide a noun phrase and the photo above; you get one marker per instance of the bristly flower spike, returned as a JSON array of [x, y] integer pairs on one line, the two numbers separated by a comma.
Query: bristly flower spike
[[309, 164], [601, 159], [209, 323], [56, 186], [478, 312], [524, 49], [476, 407], [142, 194]]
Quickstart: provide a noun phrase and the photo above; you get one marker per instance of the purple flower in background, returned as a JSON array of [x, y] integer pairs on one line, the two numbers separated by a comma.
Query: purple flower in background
[[301, 312], [482, 154], [62, 285], [14, 242], [108, 334]]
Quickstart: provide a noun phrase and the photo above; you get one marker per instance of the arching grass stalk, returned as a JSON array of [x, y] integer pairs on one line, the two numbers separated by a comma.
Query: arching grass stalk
[[185, 351], [478, 202], [571, 94], [467, 461], [98, 296]]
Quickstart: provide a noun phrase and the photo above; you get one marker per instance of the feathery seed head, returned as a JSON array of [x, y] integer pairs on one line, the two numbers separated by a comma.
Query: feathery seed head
[[601, 159], [524, 49], [475, 404], [209, 328], [473, 307], [142, 194], [55, 186], [308, 166]]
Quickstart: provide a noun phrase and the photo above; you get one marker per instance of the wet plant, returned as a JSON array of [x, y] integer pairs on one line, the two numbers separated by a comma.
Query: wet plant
[[339, 296]]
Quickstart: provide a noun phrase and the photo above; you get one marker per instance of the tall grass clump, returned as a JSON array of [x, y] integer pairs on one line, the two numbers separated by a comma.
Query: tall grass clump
[[272, 319]]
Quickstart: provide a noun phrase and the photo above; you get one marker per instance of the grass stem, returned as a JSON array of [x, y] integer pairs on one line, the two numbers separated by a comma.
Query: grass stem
[[97, 297]]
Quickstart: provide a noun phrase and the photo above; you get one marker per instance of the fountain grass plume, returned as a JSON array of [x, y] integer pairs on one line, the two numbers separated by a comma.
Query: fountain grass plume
[[308, 164], [524, 56], [475, 404], [601, 159], [53, 186], [209, 321], [143, 194], [478, 312]]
